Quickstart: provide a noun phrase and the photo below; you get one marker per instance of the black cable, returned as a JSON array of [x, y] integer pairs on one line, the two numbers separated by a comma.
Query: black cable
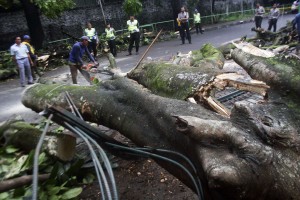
[[197, 187]]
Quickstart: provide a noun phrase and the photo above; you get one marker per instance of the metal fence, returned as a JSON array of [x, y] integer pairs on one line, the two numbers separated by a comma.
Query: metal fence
[[170, 25]]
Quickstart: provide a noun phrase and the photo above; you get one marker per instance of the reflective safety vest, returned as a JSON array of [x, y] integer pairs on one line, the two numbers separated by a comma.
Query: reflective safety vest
[[110, 33], [31, 49], [197, 18], [132, 26], [91, 33]]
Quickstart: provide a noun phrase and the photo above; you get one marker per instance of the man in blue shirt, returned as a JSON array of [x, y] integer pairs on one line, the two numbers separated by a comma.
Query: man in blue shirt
[[75, 59]]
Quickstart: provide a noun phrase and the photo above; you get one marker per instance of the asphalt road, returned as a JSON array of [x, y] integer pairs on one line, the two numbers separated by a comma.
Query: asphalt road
[[11, 92]]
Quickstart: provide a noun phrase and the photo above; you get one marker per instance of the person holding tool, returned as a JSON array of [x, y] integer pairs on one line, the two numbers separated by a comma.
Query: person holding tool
[[183, 17], [75, 59]]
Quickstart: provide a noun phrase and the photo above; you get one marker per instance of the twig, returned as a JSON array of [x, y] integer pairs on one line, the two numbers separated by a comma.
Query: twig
[[146, 51], [20, 181]]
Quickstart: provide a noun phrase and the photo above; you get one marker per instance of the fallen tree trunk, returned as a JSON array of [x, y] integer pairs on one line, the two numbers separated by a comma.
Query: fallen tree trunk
[[25, 136], [179, 82], [281, 73], [255, 155]]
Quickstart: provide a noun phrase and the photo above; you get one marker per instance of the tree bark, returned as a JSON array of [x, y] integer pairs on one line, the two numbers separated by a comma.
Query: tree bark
[[20, 181], [254, 155], [34, 23], [25, 136], [281, 73]]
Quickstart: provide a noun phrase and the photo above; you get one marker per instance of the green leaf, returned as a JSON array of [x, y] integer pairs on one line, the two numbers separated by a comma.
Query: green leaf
[[4, 195], [89, 178], [11, 149], [72, 193], [53, 190]]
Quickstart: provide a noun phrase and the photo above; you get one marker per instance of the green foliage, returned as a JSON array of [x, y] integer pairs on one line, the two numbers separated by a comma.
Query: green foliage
[[53, 8], [132, 7], [62, 183], [50, 8], [7, 66]]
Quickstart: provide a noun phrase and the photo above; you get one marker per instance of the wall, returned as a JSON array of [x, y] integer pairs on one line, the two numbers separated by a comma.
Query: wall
[[73, 21]]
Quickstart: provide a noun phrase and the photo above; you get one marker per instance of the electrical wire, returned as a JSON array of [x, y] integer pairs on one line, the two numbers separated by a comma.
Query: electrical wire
[[101, 174], [36, 160], [101, 151], [165, 159]]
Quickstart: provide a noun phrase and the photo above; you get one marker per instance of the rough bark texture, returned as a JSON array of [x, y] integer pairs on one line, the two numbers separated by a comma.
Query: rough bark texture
[[255, 155], [171, 80], [34, 23], [281, 73]]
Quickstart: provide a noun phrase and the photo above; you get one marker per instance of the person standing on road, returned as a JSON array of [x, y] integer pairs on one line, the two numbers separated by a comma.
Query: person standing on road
[[259, 13], [34, 69], [296, 22], [134, 32], [197, 22], [75, 59], [110, 36], [93, 37], [22, 58], [183, 17], [273, 17]]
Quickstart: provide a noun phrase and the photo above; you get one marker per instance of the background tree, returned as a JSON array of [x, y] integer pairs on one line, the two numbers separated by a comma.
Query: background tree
[[132, 7], [33, 10]]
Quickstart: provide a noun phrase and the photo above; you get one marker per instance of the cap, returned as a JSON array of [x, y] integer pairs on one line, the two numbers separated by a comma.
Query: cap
[[85, 38], [26, 37]]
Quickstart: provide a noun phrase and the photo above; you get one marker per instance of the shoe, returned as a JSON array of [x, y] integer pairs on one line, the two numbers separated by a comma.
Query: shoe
[[190, 42], [137, 53], [30, 83], [129, 54], [22, 85]]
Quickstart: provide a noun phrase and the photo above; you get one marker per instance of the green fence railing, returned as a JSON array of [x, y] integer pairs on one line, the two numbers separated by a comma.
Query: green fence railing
[[170, 25]]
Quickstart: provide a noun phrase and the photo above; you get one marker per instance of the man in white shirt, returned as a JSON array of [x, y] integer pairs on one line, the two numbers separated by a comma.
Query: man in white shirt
[[273, 16], [22, 58], [183, 18], [259, 13]]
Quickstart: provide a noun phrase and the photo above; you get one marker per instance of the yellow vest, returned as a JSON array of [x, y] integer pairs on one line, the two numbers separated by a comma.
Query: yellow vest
[[197, 18], [90, 32], [132, 26], [30, 47], [110, 33]]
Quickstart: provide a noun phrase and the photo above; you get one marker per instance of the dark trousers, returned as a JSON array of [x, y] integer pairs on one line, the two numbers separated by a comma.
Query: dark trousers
[[258, 21], [185, 32], [112, 47], [34, 67], [73, 69], [272, 22], [93, 47], [134, 38], [198, 28]]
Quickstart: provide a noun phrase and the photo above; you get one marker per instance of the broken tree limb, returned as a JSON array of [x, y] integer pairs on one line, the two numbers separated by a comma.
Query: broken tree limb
[[25, 136], [234, 158], [178, 82], [280, 73], [145, 53], [14, 183]]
